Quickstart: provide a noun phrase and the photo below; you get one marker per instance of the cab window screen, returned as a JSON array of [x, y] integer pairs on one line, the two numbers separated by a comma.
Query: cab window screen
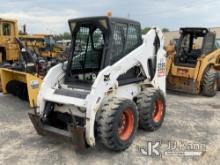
[[125, 39], [132, 38], [209, 43], [119, 38], [88, 49], [217, 43]]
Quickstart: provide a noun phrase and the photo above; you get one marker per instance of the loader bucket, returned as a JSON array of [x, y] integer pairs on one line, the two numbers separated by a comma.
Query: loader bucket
[[182, 84], [24, 85], [76, 134]]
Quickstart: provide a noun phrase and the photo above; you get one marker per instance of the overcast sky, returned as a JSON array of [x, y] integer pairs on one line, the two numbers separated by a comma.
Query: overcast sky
[[50, 16]]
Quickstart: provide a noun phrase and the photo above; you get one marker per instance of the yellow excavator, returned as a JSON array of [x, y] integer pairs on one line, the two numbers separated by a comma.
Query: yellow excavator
[[194, 66]]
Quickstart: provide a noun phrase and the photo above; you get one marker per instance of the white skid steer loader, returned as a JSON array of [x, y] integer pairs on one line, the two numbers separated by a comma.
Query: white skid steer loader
[[113, 83]]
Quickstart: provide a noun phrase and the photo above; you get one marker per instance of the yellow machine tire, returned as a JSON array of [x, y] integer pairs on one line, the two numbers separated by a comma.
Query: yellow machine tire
[[209, 82]]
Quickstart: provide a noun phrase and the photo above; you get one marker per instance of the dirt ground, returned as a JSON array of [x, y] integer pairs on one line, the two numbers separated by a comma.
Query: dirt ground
[[190, 122]]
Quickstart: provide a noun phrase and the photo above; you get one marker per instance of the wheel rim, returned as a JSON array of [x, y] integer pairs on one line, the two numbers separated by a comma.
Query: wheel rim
[[158, 111], [126, 124]]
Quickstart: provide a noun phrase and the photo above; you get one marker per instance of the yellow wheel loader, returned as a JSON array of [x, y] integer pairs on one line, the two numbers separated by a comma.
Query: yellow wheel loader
[[194, 66], [21, 71], [23, 78]]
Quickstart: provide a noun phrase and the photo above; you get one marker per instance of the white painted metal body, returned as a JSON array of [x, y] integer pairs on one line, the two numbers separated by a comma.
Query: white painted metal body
[[89, 106]]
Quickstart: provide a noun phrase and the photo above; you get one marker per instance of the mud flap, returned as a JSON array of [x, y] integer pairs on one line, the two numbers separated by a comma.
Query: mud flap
[[74, 133]]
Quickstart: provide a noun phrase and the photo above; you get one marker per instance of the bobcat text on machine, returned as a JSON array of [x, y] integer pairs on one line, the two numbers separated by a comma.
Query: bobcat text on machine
[[195, 65], [113, 83]]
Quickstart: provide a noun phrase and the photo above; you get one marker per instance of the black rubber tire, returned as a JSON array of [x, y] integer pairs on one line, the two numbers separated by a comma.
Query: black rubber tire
[[18, 89], [12, 87], [146, 105], [108, 119], [209, 83], [23, 92], [218, 78]]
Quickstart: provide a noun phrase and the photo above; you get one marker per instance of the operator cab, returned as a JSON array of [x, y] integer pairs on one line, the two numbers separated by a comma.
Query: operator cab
[[193, 43], [8, 31], [98, 42]]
